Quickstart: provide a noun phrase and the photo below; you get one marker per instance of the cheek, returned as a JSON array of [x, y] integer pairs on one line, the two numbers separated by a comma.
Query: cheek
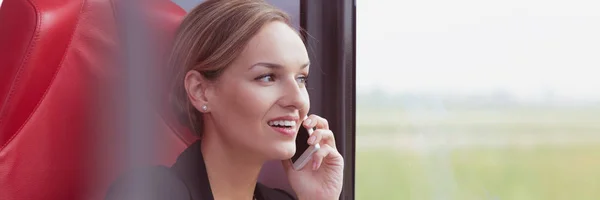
[[252, 101], [245, 104], [306, 106]]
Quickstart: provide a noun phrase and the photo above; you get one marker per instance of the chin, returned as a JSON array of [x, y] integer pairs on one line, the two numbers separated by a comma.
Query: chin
[[282, 150]]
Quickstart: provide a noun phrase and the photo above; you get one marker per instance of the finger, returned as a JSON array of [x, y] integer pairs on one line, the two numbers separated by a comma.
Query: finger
[[310, 121], [322, 136], [321, 154], [315, 137], [316, 121]]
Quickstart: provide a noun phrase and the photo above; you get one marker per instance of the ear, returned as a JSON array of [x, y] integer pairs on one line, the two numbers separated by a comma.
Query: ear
[[195, 87]]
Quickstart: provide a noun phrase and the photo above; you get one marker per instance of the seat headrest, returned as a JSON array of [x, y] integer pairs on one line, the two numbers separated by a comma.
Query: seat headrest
[[55, 57]]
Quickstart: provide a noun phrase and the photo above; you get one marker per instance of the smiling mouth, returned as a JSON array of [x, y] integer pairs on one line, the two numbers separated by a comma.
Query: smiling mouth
[[287, 124]]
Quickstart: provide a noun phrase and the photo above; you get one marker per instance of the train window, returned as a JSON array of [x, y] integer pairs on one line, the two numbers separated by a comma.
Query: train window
[[474, 99]]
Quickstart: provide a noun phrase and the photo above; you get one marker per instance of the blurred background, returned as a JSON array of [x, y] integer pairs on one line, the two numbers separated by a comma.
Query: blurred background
[[478, 99]]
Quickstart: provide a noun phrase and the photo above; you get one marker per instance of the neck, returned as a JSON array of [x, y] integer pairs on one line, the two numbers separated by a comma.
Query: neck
[[232, 172]]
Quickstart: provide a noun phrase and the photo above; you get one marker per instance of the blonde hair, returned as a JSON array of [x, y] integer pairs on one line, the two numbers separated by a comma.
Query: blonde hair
[[208, 40]]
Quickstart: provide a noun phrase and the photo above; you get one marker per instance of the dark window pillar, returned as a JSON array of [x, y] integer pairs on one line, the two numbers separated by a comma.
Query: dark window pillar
[[330, 38]]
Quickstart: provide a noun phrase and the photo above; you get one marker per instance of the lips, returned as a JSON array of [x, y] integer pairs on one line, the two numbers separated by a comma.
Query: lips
[[284, 125]]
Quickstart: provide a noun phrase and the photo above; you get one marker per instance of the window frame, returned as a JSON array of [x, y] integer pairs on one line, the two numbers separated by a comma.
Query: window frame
[[329, 31]]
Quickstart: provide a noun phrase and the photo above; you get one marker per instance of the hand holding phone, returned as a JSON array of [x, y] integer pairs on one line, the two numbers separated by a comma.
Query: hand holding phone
[[324, 178], [304, 151]]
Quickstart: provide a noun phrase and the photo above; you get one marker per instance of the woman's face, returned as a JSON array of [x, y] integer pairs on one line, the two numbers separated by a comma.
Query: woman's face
[[259, 101]]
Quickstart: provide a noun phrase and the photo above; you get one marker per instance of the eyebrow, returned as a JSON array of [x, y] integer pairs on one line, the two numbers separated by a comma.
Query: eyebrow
[[274, 66]]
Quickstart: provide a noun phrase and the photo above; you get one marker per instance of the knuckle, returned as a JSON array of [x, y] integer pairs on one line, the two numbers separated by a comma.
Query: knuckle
[[332, 148], [327, 134], [324, 133], [321, 153], [316, 133], [319, 137], [330, 132]]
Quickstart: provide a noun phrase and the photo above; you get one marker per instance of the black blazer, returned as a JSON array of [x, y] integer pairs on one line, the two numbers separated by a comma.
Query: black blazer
[[186, 179]]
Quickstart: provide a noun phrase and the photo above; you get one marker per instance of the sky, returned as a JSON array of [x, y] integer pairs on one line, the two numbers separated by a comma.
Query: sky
[[528, 48]]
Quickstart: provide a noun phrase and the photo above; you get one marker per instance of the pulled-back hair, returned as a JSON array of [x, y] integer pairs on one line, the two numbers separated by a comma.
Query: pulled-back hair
[[208, 40]]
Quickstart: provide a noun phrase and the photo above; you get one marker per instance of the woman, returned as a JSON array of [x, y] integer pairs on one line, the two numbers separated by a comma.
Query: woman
[[239, 66]]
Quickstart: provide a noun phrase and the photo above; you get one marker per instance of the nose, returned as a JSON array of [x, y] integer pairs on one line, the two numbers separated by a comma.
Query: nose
[[294, 95]]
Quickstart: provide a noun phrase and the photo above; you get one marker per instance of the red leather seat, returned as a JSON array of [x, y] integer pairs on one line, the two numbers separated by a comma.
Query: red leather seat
[[56, 62]]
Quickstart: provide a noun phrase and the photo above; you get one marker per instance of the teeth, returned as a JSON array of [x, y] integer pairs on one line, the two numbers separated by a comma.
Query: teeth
[[282, 123]]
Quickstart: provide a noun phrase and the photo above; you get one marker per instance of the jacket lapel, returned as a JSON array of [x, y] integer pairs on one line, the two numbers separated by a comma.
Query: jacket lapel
[[191, 169]]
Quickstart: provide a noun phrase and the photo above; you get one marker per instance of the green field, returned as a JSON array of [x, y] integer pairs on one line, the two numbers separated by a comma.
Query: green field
[[514, 153]]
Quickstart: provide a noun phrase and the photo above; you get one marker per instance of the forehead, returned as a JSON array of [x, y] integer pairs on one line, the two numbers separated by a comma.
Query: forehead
[[278, 43]]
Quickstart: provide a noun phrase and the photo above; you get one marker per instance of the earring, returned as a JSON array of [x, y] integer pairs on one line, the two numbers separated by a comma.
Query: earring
[[204, 108]]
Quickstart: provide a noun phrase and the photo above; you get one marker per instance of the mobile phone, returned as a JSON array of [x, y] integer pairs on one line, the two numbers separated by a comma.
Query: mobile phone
[[304, 151]]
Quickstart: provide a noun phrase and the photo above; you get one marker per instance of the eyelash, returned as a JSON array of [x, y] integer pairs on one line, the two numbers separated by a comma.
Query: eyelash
[[265, 76], [303, 78]]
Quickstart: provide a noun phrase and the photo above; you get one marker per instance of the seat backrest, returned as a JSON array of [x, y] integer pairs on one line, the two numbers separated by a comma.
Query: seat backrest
[[59, 115], [56, 59]]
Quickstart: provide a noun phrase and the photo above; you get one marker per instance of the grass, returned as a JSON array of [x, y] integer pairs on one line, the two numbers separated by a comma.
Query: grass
[[516, 174], [560, 170]]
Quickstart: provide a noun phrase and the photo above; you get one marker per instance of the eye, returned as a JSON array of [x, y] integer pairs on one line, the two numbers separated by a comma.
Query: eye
[[302, 80], [266, 78]]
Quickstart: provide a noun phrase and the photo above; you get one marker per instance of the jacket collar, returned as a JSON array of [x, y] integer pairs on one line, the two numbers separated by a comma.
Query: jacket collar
[[190, 167]]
